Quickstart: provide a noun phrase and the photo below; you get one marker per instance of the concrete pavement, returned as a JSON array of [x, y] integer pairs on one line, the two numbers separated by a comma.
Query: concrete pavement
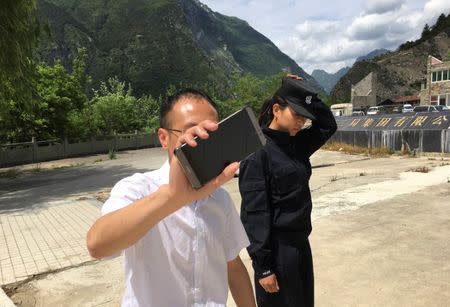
[[45, 216]]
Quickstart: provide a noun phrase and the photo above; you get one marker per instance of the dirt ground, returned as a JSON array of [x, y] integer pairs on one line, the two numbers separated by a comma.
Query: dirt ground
[[380, 238]]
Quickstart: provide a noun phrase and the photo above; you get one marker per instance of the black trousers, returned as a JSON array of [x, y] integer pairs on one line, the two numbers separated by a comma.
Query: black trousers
[[295, 276]]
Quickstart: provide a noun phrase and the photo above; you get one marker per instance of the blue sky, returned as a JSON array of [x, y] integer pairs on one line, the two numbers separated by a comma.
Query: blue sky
[[329, 35]]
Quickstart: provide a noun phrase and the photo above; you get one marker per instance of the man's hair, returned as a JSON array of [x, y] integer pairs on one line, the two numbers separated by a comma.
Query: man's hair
[[170, 101]]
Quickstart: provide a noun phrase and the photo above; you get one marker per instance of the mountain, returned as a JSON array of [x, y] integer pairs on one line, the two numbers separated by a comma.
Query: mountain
[[401, 72], [372, 55], [153, 44], [327, 80]]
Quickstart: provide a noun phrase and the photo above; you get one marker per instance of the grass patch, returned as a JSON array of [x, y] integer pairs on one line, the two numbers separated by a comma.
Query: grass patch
[[112, 155], [357, 150], [36, 168], [10, 173]]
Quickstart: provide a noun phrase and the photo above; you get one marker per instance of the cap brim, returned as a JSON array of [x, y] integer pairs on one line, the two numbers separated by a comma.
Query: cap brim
[[301, 110]]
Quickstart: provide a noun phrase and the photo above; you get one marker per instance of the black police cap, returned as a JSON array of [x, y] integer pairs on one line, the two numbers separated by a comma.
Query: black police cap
[[298, 94]]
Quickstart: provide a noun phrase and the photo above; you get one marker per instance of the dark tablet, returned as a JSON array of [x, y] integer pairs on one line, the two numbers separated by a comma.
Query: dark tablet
[[238, 136]]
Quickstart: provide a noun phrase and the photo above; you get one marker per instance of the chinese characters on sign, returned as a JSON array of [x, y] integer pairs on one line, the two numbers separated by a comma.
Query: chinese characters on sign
[[396, 122]]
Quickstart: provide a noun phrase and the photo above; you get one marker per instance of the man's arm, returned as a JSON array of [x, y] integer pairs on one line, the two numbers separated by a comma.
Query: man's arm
[[120, 229], [239, 283]]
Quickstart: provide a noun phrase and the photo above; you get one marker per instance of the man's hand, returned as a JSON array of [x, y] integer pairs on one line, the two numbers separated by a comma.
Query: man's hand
[[269, 283], [180, 190]]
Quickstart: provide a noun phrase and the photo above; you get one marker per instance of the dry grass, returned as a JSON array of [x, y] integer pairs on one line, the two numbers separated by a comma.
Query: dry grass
[[102, 196], [357, 150], [421, 169]]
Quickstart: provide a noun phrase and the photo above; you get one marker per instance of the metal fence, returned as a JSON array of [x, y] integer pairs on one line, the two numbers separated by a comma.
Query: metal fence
[[39, 151], [421, 132], [396, 140]]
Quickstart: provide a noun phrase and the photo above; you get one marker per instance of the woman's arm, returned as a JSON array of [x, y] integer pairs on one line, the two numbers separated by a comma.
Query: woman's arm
[[311, 139], [256, 212]]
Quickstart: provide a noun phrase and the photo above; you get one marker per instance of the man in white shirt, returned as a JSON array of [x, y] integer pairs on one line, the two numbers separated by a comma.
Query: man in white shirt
[[180, 245]]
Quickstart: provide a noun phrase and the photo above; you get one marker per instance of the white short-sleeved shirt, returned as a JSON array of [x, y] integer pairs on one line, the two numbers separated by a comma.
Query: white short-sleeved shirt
[[182, 261]]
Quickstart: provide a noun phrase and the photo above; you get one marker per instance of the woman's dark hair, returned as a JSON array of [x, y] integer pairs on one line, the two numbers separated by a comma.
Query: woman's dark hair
[[266, 113], [170, 101]]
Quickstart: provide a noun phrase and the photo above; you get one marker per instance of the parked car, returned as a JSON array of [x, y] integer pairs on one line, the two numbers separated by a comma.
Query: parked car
[[375, 110], [442, 108], [425, 109], [407, 108], [404, 108], [358, 113]]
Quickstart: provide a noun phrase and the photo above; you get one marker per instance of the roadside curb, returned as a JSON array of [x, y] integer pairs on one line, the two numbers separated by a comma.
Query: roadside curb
[[337, 163]]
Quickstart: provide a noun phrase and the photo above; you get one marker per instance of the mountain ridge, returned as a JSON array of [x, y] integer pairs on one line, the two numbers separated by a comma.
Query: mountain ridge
[[155, 44]]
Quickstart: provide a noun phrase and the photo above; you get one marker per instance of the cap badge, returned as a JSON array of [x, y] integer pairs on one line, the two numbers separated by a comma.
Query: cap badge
[[308, 99]]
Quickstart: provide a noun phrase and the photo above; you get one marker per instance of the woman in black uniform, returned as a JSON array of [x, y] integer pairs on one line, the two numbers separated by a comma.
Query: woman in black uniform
[[276, 200]]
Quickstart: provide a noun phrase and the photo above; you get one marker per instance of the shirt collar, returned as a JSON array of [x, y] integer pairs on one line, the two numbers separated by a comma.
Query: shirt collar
[[279, 137], [164, 171]]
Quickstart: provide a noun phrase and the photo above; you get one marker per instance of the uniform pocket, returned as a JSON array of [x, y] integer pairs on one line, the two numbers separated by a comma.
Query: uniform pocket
[[254, 196], [286, 180]]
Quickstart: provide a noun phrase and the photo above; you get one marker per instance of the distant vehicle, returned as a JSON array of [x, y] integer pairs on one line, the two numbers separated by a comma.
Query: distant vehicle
[[404, 108], [342, 109], [425, 109], [358, 113], [407, 108], [337, 112], [375, 110], [442, 108], [397, 109]]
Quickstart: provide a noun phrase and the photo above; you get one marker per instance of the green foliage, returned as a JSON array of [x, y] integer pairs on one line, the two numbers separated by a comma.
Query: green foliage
[[442, 24], [248, 90], [112, 155], [114, 109], [64, 111], [426, 30], [58, 93], [19, 30], [447, 56], [154, 44]]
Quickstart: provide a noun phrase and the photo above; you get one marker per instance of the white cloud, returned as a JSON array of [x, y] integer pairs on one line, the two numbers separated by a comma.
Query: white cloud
[[370, 27], [382, 6], [330, 35], [434, 8]]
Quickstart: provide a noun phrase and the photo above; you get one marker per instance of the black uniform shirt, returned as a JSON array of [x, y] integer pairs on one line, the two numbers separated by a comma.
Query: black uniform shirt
[[274, 185]]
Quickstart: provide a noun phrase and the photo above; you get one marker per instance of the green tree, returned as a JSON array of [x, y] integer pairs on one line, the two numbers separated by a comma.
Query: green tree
[[58, 94], [115, 110], [248, 90], [19, 31], [426, 31], [447, 56]]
